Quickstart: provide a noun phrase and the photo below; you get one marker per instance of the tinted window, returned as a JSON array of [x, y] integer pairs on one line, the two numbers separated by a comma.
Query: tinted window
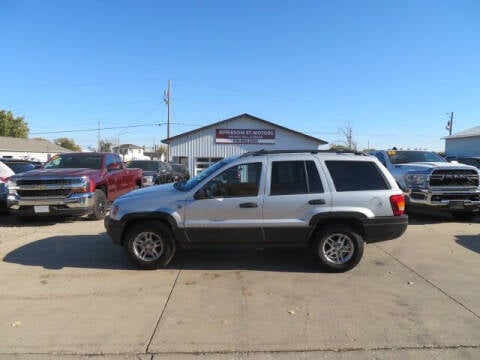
[[19, 167], [314, 182], [144, 165], [294, 177], [237, 181], [356, 176]]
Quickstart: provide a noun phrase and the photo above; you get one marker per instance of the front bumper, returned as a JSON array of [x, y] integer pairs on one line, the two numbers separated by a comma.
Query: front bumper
[[114, 229], [76, 204], [444, 199]]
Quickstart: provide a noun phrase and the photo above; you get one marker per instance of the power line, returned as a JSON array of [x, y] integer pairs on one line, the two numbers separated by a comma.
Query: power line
[[96, 129]]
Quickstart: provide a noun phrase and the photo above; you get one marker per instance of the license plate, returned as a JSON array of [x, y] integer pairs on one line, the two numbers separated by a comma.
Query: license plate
[[456, 205], [41, 209]]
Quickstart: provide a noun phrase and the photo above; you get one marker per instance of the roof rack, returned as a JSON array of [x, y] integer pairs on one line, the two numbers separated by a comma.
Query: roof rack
[[311, 151]]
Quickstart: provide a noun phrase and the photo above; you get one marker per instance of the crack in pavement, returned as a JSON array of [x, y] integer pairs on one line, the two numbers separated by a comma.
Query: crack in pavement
[[163, 311]]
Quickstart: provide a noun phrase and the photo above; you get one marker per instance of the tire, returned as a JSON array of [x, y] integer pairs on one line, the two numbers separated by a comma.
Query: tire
[[100, 206], [334, 238], [150, 245], [464, 216]]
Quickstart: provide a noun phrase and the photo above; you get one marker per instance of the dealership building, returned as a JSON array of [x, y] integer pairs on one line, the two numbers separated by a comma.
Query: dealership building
[[200, 148]]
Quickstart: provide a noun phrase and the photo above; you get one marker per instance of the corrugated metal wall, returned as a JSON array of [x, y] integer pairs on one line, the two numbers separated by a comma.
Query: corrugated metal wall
[[202, 143], [463, 146]]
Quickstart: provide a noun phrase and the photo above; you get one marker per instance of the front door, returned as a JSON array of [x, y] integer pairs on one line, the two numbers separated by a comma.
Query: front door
[[228, 209]]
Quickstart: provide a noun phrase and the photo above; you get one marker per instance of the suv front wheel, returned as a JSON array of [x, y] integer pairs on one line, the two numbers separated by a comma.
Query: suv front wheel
[[150, 244], [338, 248]]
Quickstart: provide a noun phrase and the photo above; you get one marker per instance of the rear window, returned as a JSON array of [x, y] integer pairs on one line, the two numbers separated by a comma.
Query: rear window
[[356, 176]]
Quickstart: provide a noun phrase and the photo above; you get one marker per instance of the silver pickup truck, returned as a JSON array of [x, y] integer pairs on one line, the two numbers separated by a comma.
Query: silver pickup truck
[[428, 180]]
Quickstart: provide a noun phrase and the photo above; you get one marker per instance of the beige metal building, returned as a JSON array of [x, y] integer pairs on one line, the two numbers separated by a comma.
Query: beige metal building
[[200, 148]]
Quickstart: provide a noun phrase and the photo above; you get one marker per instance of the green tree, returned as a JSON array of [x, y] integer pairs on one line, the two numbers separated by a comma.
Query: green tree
[[67, 144], [336, 147], [13, 126], [105, 146]]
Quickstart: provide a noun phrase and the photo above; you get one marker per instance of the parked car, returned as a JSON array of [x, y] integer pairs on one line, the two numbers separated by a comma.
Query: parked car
[[72, 184], [5, 173], [180, 172], [155, 172], [329, 202], [430, 181], [19, 166]]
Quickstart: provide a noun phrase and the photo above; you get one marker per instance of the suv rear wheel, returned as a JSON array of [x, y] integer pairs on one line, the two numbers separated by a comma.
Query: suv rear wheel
[[150, 244], [338, 248]]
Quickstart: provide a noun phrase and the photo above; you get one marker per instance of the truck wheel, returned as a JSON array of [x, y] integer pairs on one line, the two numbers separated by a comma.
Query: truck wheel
[[464, 216], [338, 248], [100, 205], [150, 245]]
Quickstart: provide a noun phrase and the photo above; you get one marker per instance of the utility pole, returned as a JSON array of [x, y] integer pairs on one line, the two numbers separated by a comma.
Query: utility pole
[[98, 148], [450, 124], [166, 99]]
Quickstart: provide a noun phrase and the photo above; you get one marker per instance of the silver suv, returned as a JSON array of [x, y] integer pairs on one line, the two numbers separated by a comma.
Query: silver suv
[[330, 202]]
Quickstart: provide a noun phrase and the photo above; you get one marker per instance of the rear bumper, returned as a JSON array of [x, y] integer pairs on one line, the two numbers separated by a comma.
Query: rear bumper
[[384, 228]]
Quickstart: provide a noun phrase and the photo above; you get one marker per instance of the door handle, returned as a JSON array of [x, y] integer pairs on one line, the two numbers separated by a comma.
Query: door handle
[[317, 202], [248, 205]]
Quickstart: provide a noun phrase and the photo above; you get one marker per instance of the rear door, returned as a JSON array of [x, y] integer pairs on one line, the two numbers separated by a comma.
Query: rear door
[[296, 190], [228, 208]]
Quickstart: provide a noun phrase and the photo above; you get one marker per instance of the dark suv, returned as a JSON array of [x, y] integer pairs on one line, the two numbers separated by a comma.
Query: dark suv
[[180, 172], [20, 166], [329, 202], [155, 172]]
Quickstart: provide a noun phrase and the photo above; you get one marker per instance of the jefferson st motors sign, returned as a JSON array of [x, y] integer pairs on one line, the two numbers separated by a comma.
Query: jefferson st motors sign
[[245, 136]]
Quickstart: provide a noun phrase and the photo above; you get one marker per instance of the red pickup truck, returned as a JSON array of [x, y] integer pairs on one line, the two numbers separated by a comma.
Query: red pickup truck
[[76, 183]]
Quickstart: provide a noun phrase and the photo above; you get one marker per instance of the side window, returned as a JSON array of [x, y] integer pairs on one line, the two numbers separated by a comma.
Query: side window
[[356, 175], [295, 177], [237, 181], [109, 159], [381, 158]]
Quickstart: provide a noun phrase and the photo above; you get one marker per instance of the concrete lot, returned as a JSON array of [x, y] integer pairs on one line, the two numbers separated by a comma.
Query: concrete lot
[[67, 292]]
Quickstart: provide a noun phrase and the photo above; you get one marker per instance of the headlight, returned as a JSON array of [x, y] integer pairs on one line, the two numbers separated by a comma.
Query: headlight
[[12, 186], [416, 179], [81, 185], [114, 211]]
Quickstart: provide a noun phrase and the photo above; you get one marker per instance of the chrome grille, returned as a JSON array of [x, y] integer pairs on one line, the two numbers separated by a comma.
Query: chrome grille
[[454, 177]]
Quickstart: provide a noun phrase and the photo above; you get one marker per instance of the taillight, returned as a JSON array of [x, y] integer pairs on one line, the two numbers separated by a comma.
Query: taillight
[[3, 179], [398, 204]]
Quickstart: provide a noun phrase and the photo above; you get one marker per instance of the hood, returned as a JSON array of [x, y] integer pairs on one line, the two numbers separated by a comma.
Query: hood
[[46, 173], [163, 198], [149, 192], [423, 166], [149, 173]]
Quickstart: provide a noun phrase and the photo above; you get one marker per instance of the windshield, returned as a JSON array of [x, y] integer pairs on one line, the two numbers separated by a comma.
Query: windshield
[[144, 165], [92, 161], [404, 157], [186, 186]]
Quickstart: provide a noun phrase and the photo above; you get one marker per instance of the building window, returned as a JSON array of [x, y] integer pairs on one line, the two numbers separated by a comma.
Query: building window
[[203, 163]]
